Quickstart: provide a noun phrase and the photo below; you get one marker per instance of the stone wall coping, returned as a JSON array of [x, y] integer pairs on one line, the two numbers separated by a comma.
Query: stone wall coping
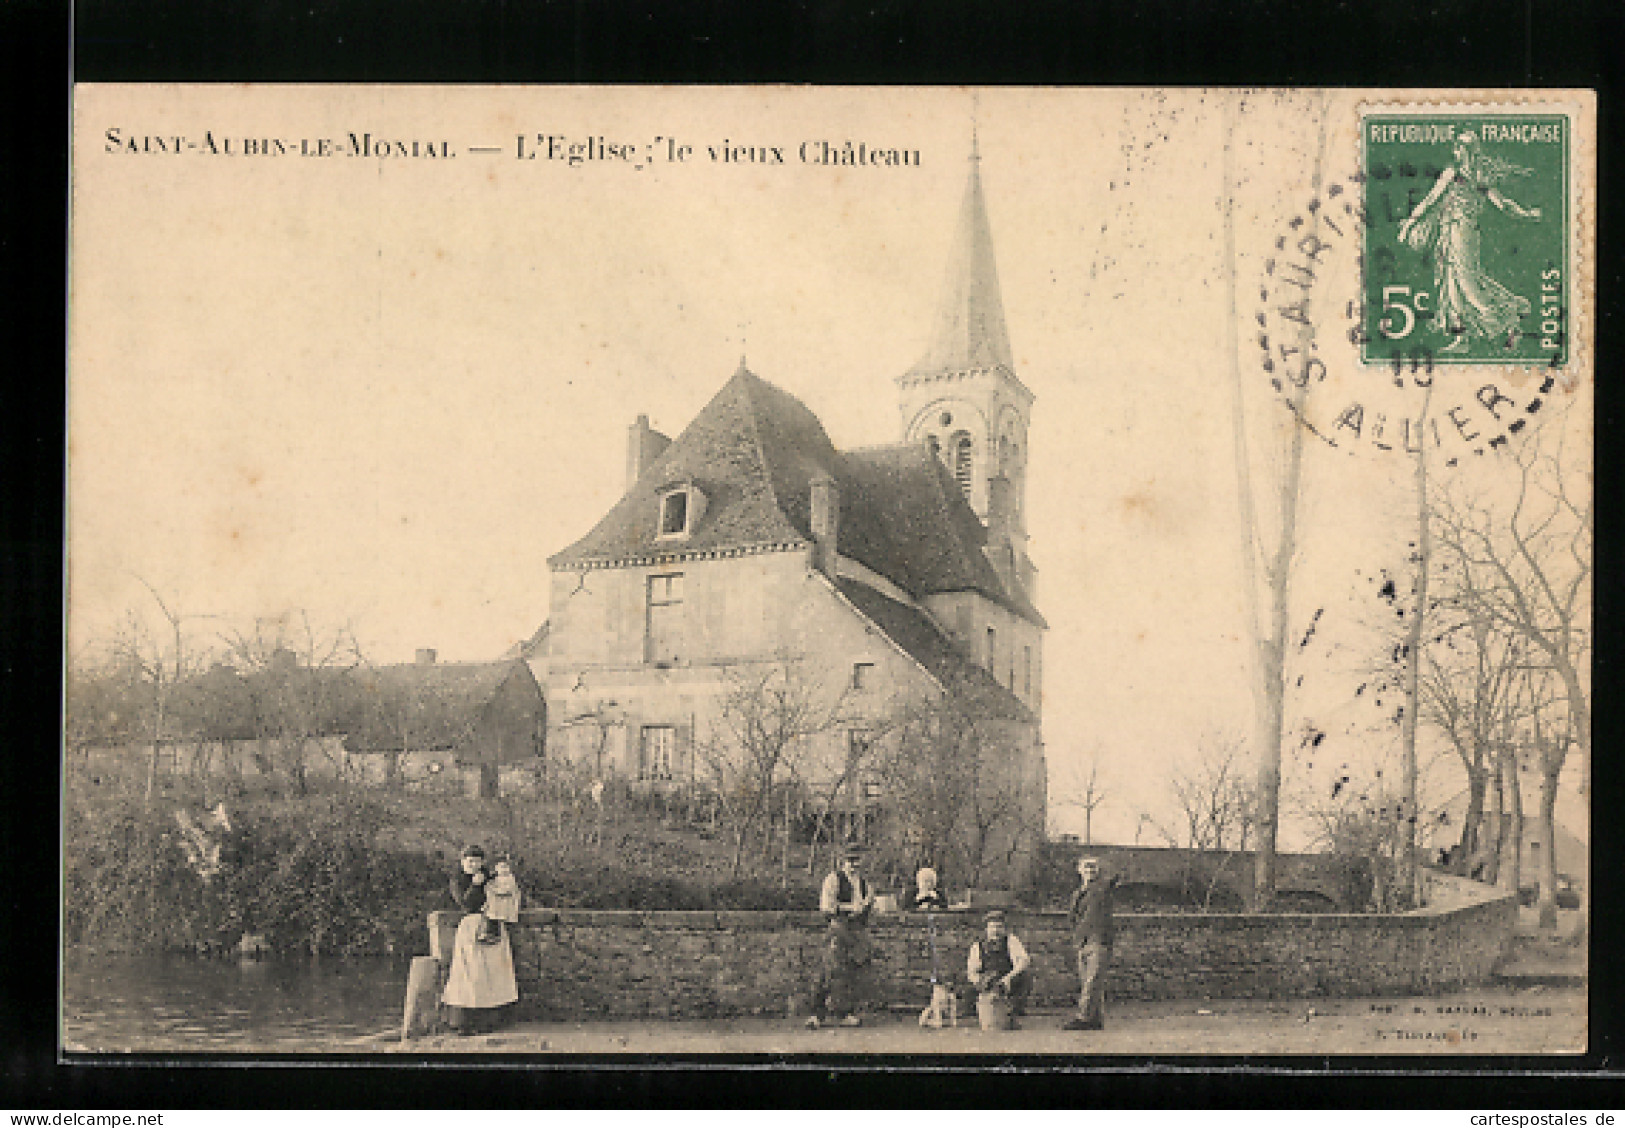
[[778, 920]]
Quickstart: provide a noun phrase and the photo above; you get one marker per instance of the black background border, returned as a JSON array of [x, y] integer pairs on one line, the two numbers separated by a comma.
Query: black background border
[[44, 47]]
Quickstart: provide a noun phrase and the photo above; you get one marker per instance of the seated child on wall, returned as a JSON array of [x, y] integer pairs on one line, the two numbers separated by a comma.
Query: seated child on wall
[[501, 902], [926, 894]]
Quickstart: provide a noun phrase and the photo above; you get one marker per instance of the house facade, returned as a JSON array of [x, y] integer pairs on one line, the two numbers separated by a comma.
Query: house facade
[[751, 551]]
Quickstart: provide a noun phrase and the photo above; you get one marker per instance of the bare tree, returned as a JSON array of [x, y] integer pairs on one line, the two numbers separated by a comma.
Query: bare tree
[[1269, 642], [160, 664], [952, 781], [861, 757], [295, 672], [1416, 636], [1469, 693], [1215, 799], [1532, 562], [767, 715], [1079, 784]]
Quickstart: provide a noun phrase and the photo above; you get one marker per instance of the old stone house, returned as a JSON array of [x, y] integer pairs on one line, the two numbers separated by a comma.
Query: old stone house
[[881, 576], [478, 716]]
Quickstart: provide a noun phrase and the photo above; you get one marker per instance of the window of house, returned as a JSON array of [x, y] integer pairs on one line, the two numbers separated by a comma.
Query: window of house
[[659, 752], [992, 647], [871, 790], [1027, 671], [665, 617], [674, 514], [863, 675], [962, 461]]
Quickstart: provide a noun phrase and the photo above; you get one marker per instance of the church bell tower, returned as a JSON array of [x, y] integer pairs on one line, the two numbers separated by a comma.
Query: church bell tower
[[963, 396]]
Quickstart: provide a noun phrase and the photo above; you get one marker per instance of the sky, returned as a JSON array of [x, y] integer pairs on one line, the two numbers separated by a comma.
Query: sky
[[381, 391]]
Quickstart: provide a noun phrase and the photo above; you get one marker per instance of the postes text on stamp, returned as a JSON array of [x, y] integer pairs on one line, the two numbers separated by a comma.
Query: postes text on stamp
[[1466, 243]]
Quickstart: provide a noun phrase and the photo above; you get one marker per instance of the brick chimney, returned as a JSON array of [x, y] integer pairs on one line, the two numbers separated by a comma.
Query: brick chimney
[[826, 522], [426, 656], [643, 445]]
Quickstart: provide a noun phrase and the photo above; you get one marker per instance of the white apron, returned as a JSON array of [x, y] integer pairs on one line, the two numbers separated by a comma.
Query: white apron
[[481, 974]]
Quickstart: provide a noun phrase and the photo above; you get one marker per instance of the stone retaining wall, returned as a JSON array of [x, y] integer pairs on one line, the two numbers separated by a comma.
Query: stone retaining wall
[[588, 963]]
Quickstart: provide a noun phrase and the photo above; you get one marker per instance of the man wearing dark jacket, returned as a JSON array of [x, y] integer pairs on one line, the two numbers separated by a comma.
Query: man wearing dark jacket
[[1092, 936], [845, 900]]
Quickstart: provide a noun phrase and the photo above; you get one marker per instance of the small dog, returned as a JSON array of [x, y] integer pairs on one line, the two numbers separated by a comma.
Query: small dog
[[944, 1008]]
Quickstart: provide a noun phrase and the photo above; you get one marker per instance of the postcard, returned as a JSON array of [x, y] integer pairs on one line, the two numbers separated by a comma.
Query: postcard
[[822, 571]]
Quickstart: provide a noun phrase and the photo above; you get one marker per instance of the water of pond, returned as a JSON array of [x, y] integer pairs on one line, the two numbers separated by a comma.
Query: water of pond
[[154, 1004]]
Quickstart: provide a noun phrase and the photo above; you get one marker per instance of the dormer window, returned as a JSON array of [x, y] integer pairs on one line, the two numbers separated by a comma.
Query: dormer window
[[674, 514], [680, 509]]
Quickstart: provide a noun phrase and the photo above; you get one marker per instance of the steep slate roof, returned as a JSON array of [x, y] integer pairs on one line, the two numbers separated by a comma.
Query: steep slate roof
[[903, 515], [753, 451], [430, 707], [745, 451], [913, 631]]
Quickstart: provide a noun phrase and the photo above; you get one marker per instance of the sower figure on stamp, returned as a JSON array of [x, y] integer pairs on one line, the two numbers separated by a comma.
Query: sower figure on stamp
[[1093, 933], [1446, 224], [999, 965], [845, 902]]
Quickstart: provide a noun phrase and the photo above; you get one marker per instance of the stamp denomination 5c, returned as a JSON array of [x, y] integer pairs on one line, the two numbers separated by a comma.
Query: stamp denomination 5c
[[1467, 257]]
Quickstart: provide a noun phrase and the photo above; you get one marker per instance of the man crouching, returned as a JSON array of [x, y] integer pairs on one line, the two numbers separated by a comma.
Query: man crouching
[[999, 965]]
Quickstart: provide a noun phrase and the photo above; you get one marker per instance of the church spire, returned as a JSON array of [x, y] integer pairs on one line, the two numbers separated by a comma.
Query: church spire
[[970, 331]]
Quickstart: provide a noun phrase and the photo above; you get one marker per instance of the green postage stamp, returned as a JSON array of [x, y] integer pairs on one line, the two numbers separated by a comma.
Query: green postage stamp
[[1467, 255]]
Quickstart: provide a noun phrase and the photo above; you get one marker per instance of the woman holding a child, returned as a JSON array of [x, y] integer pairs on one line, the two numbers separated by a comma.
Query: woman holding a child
[[481, 978]]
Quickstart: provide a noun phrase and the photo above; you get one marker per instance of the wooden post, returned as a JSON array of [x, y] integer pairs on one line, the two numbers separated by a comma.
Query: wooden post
[[443, 934]]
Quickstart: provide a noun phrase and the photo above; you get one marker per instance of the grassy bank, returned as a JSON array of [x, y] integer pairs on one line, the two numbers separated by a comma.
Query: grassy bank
[[356, 871]]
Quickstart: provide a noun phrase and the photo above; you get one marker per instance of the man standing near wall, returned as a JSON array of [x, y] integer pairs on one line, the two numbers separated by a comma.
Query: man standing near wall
[[1092, 936], [845, 902]]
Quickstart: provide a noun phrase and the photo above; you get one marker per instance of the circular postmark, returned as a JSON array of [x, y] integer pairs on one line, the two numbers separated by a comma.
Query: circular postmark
[[1364, 378]]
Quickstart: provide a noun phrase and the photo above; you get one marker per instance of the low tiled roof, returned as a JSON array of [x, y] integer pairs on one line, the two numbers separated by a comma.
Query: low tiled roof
[[753, 451], [423, 707], [915, 632]]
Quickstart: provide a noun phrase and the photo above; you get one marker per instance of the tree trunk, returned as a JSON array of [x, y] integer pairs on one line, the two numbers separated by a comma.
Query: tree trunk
[[1512, 838], [817, 836], [1472, 825], [1546, 859], [1406, 878], [1492, 829], [739, 851], [1269, 677], [1269, 770], [157, 745], [784, 855]]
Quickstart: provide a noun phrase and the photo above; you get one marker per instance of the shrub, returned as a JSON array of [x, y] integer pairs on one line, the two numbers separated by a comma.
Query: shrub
[[353, 873], [309, 878]]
